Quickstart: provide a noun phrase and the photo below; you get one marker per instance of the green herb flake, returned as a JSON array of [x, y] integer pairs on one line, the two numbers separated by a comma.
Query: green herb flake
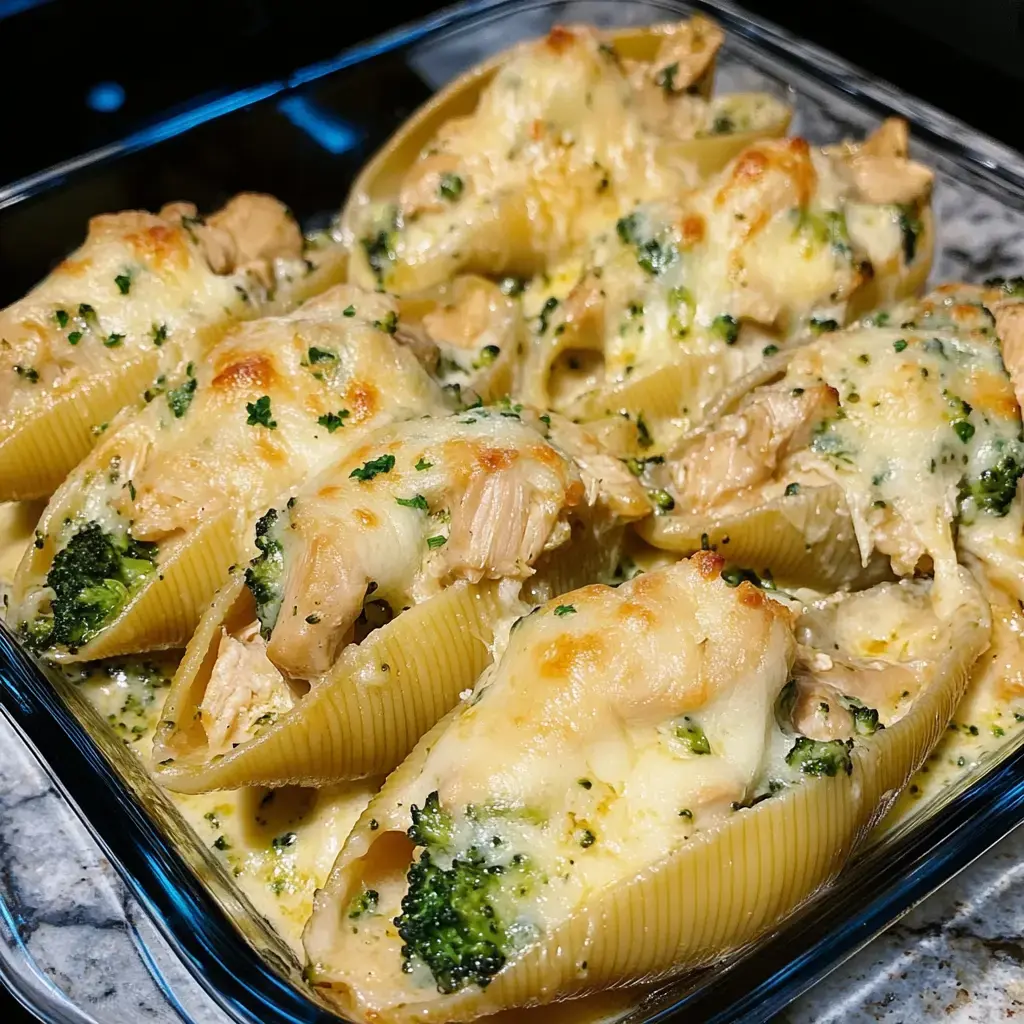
[[113, 340], [320, 355], [374, 467], [389, 324], [899, 345], [423, 464], [417, 501], [62, 318], [333, 420], [259, 413], [436, 542], [124, 283], [29, 373], [74, 337], [565, 609], [349, 311]]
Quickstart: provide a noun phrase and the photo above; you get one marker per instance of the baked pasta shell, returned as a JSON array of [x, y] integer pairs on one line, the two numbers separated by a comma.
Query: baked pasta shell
[[365, 714], [805, 539], [381, 178], [720, 890]]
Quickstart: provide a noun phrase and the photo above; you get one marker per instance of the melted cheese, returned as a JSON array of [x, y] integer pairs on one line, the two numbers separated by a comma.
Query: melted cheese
[[777, 243], [276, 401], [414, 508], [140, 281], [575, 751], [567, 135]]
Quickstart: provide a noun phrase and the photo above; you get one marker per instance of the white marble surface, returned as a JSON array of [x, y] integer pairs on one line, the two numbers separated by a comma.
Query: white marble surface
[[80, 940]]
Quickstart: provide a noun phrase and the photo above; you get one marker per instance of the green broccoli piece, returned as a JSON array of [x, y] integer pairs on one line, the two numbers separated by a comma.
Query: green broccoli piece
[[364, 904], [264, 575], [693, 736], [995, 488], [653, 254], [92, 577], [451, 918], [821, 757], [380, 246], [865, 719]]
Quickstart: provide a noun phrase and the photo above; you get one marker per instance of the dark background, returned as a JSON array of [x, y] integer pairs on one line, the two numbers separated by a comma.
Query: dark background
[[966, 58]]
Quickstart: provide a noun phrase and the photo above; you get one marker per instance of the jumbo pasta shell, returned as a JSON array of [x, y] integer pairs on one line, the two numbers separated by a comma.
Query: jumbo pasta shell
[[367, 712], [806, 539], [721, 889], [44, 440], [162, 613], [381, 178], [363, 716]]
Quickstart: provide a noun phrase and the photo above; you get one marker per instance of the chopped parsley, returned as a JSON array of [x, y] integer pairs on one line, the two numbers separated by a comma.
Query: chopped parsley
[[389, 324], [180, 398], [62, 318], [792, 489], [349, 311], [822, 326], [368, 470], [124, 283], [416, 501], [259, 413], [333, 420], [666, 78], [436, 542], [423, 464], [545, 314], [159, 334], [113, 340], [320, 355], [663, 501], [899, 345], [74, 337], [654, 254], [565, 609], [29, 373]]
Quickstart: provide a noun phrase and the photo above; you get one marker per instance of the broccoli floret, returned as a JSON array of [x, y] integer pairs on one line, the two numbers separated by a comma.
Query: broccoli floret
[[654, 254], [365, 903], [821, 757], [994, 488], [865, 719], [431, 825], [451, 919], [92, 577], [264, 575]]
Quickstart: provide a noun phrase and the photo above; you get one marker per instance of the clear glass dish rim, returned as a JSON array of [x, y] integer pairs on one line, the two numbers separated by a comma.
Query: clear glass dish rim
[[754, 984]]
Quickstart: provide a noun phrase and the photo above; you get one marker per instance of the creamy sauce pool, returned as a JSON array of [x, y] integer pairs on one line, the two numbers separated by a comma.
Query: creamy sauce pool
[[280, 844]]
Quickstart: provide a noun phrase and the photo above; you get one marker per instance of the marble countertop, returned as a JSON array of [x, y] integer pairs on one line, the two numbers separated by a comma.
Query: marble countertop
[[75, 938]]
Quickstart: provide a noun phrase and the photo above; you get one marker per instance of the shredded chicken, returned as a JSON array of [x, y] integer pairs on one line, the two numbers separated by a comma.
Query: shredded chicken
[[881, 170], [749, 444], [608, 483], [819, 711], [249, 233], [244, 689]]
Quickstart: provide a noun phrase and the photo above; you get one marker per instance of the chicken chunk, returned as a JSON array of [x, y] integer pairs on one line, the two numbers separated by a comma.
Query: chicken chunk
[[245, 689], [250, 232], [749, 444]]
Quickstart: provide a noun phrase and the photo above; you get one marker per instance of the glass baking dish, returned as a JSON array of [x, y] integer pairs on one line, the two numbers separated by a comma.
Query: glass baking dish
[[304, 139]]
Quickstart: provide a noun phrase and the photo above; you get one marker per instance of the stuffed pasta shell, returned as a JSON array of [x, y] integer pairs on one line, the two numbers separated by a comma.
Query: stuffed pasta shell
[[134, 544], [685, 294], [509, 167], [900, 436], [377, 593], [141, 292], [468, 333], [634, 787]]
